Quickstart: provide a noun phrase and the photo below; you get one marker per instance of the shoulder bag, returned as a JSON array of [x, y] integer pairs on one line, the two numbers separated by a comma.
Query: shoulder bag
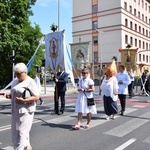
[[90, 101]]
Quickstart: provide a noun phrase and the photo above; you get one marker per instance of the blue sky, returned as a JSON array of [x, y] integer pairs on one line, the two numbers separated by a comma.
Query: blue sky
[[46, 13]]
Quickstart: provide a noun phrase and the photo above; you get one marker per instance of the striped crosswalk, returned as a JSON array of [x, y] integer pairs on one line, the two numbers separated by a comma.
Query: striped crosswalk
[[120, 130]]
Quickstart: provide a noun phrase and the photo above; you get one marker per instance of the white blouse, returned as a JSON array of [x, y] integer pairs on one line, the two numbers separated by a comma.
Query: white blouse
[[110, 88]]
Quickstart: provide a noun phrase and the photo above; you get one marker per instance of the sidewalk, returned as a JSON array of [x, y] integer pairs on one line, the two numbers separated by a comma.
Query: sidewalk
[[49, 90]]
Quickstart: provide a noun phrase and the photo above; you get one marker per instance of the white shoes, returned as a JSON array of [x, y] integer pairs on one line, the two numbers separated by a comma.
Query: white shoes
[[108, 118], [111, 117], [28, 147]]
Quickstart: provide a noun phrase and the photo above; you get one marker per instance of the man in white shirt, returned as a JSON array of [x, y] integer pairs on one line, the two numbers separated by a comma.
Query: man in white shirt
[[123, 82]]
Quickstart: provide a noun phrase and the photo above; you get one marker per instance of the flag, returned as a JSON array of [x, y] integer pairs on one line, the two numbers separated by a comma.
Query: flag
[[57, 53], [68, 64], [54, 50]]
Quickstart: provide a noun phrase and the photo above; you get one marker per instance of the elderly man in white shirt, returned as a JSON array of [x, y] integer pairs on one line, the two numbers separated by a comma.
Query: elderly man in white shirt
[[123, 82]]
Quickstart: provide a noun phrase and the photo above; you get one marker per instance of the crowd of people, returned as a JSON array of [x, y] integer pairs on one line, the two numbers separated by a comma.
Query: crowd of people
[[25, 92]]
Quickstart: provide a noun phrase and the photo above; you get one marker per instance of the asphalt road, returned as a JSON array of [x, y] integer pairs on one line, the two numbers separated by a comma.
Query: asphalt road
[[53, 132]]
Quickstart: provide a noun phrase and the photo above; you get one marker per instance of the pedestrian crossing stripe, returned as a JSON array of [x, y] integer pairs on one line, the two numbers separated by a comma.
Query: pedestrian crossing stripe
[[129, 126]]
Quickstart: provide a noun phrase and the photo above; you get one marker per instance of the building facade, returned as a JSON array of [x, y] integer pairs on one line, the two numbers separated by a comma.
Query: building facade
[[111, 25]]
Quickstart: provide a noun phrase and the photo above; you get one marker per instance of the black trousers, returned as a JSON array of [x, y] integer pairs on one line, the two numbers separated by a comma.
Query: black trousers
[[122, 99], [60, 95], [130, 88]]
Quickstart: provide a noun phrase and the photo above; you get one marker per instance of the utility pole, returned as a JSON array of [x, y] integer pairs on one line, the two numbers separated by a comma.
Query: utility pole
[[12, 60]]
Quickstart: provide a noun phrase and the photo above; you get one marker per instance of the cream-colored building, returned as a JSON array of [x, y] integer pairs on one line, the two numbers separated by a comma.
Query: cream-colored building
[[111, 25]]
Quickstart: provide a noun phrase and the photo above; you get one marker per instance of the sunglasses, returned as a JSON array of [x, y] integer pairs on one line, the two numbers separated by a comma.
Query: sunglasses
[[18, 73], [84, 73]]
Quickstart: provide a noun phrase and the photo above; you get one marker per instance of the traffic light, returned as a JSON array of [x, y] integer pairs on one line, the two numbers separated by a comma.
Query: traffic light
[[43, 62], [12, 59], [38, 69]]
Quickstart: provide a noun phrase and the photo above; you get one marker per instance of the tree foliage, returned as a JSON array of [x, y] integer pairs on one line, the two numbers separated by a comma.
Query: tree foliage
[[17, 34]]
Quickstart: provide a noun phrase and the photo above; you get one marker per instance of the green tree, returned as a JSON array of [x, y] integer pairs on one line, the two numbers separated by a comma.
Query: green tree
[[16, 33]]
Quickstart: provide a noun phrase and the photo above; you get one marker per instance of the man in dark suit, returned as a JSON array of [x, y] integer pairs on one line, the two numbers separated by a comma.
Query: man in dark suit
[[61, 80]]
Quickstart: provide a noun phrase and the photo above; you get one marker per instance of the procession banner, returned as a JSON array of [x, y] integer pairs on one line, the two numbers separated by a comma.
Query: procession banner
[[54, 50]]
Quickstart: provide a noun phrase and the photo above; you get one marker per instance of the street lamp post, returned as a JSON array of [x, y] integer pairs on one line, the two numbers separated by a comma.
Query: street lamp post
[[100, 52], [100, 48]]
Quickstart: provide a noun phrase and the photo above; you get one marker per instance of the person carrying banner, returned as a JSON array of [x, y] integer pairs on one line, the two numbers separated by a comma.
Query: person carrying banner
[[61, 80]]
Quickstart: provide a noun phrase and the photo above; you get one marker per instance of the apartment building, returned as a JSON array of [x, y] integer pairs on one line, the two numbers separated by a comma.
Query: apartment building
[[111, 25]]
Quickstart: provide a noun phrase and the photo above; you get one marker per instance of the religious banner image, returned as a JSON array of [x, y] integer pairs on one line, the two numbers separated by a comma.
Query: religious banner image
[[80, 54], [129, 58], [54, 50]]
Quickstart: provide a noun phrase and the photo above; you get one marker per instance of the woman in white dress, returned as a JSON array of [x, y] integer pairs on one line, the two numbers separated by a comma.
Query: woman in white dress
[[22, 109], [109, 89], [85, 89]]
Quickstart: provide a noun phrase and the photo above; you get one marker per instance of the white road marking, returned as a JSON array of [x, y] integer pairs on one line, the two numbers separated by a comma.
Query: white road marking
[[126, 144], [127, 127]]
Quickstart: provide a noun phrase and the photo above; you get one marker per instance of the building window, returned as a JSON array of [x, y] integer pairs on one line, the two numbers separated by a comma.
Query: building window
[[147, 33], [131, 24], [147, 46], [130, 9], [139, 29], [131, 40], [135, 42], [146, 19], [135, 27], [143, 57], [126, 22], [135, 12], [139, 57], [95, 69], [139, 2], [139, 43], [143, 31], [142, 3], [95, 40], [143, 17], [145, 6], [147, 58], [95, 25], [138, 14], [125, 5], [143, 45], [94, 9], [126, 39]]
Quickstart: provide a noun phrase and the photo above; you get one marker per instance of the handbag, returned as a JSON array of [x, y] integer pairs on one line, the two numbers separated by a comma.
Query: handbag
[[90, 101], [26, 93]]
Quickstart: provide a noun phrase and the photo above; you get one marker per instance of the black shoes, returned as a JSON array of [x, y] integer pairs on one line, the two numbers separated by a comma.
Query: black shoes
[[121, 113], [57, 113], [41, 102], [61, 112]]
